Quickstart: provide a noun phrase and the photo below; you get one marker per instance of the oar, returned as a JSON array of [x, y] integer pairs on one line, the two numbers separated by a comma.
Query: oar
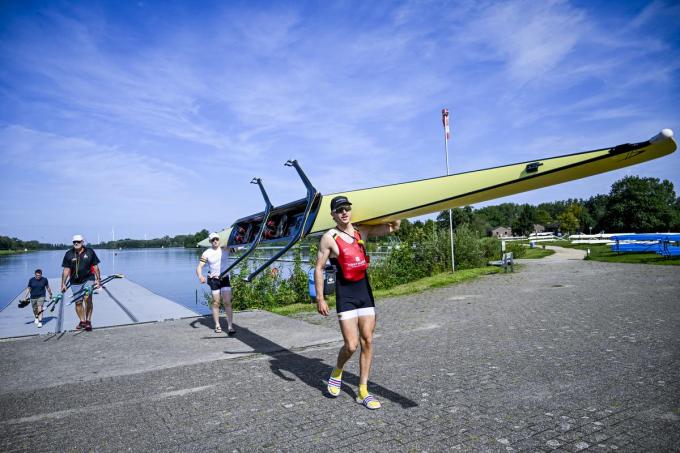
[[87, 290]]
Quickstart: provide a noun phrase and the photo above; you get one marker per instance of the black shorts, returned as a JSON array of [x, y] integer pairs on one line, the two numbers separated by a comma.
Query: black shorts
[[353, 298], [217, 283]]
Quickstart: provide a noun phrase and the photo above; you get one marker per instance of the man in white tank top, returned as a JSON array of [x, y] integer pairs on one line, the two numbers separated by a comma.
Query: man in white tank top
[[217, 259]]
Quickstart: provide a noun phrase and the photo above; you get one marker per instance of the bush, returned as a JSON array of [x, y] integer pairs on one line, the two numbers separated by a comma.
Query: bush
[[469, 252], [518, 249]]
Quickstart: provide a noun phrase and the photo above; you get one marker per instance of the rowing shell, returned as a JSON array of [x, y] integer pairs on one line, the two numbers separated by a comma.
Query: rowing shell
[[311, 215]]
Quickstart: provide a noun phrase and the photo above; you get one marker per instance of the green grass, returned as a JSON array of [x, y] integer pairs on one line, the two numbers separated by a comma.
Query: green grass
[[602, 252], [537, 253], [13, 252], [417, 286]]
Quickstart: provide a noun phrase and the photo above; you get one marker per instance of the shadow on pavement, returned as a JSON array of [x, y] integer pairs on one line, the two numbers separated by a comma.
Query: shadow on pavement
[[311, 371]]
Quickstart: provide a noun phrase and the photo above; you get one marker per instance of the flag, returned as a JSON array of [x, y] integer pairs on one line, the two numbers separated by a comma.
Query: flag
[[445, 122]]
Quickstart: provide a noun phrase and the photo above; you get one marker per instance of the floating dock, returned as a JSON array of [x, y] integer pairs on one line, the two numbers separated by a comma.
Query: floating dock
[[118, 303]]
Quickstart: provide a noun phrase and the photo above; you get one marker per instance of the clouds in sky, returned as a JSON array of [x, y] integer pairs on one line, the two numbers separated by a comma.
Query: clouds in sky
[[153, 116]]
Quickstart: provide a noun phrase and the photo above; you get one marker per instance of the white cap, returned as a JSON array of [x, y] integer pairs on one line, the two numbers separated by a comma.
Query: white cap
[[78, 237], [213, 236]]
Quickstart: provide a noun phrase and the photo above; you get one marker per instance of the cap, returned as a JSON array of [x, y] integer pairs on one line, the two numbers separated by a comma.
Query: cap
[[338, 201], [78, 237], [213, 236]]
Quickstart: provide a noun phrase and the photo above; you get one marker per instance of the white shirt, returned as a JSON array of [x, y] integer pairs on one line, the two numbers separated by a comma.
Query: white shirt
[[217, 259]]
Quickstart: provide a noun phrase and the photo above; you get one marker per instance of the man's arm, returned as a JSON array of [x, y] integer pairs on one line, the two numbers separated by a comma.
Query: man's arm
[[64, 278], [378, 230], [49, 290], [97, 276], [199, 270], [321, 258]]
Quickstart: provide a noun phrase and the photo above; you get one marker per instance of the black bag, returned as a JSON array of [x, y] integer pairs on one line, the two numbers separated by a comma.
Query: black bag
[[329, 279]]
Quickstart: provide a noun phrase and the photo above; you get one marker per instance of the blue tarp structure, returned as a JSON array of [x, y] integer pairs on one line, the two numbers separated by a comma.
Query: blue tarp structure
[[661, 245]]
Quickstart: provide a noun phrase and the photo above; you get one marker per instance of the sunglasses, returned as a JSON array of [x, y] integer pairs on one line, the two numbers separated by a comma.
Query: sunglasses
[[77, 242], [214, 239], [342, 209]]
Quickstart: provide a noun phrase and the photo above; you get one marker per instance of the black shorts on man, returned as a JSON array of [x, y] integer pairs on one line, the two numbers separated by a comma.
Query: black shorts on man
[[217, 283]]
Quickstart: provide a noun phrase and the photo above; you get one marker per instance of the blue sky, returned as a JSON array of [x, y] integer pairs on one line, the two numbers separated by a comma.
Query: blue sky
[[152, 117]]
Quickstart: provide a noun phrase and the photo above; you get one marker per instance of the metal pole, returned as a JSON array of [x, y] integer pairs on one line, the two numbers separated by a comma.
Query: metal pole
[[445, 120]]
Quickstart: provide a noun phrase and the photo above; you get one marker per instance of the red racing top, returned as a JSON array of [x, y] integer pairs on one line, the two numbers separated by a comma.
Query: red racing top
[[352, 257]]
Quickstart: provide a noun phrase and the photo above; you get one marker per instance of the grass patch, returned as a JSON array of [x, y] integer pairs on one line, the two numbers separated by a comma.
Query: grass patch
[[436, 281], [13, 252], [602, 252], [287, 310], [537, 253]]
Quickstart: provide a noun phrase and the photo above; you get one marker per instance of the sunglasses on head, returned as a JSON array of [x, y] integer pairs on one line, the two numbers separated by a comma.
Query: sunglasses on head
[[342, 209]]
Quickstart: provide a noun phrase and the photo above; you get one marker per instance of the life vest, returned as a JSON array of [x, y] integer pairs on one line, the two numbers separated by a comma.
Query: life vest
[[352, 258]]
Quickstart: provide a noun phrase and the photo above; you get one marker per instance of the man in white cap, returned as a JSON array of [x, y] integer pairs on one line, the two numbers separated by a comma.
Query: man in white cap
[[81, 267], [218, 260]]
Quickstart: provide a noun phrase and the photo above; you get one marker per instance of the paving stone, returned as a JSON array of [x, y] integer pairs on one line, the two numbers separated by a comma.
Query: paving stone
[[559, 356]]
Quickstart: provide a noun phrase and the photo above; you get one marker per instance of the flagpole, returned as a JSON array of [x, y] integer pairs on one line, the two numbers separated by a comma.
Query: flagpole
[[445, 121]]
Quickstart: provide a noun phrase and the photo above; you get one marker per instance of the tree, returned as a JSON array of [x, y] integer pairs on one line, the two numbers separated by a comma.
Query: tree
[[524, 224], [543, 217], [568, 221], [640, 205], [460, 216]]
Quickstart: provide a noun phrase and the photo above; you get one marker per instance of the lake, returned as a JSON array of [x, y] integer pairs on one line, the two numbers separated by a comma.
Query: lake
[[169, 272]]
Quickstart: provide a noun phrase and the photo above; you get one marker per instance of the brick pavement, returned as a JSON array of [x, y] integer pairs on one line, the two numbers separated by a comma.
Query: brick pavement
[[560, 356]]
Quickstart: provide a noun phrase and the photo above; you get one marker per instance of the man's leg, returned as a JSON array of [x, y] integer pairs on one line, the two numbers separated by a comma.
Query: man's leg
[[40, 303], [36, 308], [226, 300], [216, 310], [80, 311], [350, 333], [366, 329], [88, 308]]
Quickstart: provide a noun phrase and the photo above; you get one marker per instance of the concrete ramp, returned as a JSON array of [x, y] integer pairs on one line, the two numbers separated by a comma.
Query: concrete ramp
[[119, 302]]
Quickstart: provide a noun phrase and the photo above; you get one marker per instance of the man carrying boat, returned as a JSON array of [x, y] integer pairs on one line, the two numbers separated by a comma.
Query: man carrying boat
[[344, 246], [217, 259], [36, 291], [81, 267]]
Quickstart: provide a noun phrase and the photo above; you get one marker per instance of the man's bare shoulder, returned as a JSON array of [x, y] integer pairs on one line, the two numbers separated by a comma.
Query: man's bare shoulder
[[327, 237]]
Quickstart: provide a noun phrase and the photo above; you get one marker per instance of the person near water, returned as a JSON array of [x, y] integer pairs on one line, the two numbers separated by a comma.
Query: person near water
[[36, 290], [217, 259], [81, 268], [344, 246]]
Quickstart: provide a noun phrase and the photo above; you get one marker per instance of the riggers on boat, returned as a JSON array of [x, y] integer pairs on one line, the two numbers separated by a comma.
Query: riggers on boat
[[310, 215]]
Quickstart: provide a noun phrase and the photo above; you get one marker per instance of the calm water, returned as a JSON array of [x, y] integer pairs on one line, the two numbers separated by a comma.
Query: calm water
[[170, 273]]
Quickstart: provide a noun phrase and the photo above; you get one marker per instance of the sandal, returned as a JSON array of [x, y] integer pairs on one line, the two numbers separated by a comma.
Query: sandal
[[231, 332], [334, 386], [218, 329], [369, 402]]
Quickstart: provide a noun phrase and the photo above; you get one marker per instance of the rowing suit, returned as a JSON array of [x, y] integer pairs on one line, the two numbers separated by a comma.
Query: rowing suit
[[353, 293], [218, 261]]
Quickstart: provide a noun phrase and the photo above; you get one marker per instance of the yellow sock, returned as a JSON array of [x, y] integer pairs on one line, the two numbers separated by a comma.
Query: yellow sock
[[363, 391], [334, 382], [371, 402], [336, 373]]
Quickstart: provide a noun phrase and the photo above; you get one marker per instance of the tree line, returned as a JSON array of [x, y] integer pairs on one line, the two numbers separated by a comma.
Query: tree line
[[633, 205]]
